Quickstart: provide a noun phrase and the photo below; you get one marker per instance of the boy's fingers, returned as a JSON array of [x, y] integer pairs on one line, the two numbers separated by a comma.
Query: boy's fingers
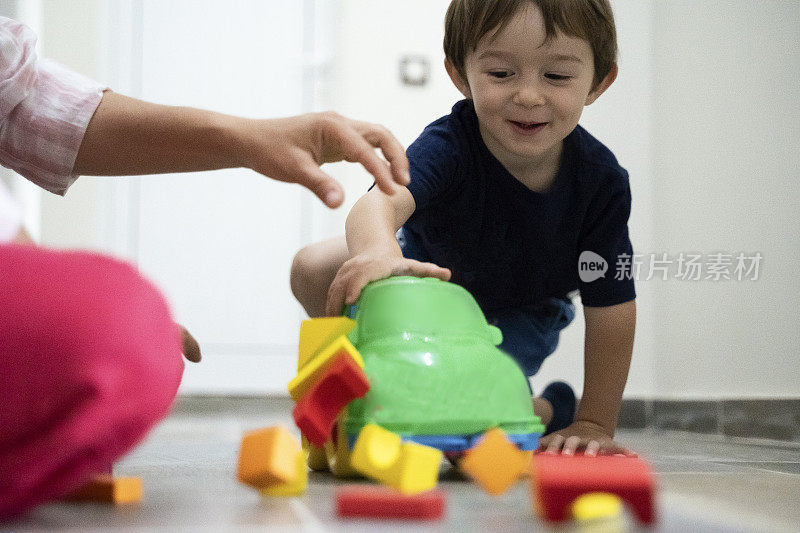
[[556, 441], [353, 292], [335, 296], [571, 445], [411, 267], [592, 448]]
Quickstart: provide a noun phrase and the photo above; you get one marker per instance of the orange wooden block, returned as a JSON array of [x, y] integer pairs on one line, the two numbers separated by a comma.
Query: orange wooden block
[[268, 457], [495, 463], [108, 489]]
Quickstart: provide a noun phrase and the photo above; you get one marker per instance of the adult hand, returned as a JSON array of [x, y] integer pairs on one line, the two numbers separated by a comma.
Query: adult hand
[[584, 436], [292, 150], [189, 346], [363, 268]]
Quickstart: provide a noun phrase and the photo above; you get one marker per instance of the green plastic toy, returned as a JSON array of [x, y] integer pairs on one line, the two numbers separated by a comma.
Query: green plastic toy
[[436, 374]]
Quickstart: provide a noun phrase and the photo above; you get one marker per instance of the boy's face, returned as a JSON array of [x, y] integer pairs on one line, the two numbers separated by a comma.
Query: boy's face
[[528, 96]]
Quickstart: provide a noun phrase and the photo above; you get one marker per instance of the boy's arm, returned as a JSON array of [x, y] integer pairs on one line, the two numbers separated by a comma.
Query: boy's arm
[[607, 357], [127, 136], [370, 230]]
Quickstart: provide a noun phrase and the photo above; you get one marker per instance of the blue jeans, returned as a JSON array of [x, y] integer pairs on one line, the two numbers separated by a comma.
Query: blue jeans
[[530, 333]]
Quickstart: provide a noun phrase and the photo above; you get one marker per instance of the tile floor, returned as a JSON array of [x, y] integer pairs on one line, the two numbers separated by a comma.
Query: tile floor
[[706, 483]]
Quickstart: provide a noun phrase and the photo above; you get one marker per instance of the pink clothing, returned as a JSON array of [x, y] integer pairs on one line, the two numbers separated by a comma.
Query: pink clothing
[[44, 111], [90, 360]]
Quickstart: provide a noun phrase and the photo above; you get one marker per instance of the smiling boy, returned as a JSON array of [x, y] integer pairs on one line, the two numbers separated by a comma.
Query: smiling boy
[[506, 192]]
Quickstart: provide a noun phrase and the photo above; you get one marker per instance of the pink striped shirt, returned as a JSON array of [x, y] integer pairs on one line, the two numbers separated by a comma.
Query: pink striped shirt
[[44, 111]]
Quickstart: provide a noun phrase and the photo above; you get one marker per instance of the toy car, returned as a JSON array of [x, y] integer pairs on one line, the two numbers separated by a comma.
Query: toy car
[[436, 374]]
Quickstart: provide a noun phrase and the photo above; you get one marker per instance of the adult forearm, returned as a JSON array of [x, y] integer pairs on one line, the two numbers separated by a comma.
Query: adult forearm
[[127, 136], [607, 358]]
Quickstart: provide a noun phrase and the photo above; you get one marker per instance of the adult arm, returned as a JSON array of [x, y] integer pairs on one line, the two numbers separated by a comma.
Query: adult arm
[[127, 136], [56, 124]]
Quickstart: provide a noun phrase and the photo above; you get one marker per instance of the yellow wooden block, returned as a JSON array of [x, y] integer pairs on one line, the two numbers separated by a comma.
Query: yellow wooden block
[[406, 466], [292, 488], [108, 489], [317, 333], [418, 468], [315, 457], [338, 452], [376, 451], [268, 457], [314, 369], [596, 506], [495, 463]]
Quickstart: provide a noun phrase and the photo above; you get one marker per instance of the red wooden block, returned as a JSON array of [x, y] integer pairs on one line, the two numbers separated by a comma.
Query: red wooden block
[[316, 412], [371, 501], [556, 480]]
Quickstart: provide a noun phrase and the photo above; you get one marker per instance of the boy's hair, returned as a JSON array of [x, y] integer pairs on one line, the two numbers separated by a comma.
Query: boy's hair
[[468, 21]]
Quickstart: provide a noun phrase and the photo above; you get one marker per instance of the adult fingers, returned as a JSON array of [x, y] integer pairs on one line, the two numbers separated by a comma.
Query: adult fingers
[[325, 187], [355, 148], [392, 150], [189, 346]]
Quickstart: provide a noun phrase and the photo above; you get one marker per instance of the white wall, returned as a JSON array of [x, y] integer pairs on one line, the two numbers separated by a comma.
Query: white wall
[[218, 244], [726, 153], [371, 39], [704, 115], [71, 33]]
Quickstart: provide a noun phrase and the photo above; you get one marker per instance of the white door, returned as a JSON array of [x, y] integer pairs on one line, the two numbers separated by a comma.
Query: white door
[[220, 244]]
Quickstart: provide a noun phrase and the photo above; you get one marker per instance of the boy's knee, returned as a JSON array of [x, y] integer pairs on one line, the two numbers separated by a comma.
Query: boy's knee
[[306, 267]]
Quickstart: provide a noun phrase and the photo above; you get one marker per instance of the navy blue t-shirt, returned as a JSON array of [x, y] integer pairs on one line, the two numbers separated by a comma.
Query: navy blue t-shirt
[[506, 244]]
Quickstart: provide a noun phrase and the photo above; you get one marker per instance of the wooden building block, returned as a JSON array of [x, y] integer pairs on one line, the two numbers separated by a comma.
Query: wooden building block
[[379, 502], [268, 457], [495, 463], [317, 410], [317, 333], [406, 466], [557, 480], [108, 489], [314, 369]]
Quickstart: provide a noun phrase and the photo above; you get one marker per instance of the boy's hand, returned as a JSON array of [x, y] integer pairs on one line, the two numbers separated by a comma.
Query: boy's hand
[[366, 267], [292, 150], [584, 436]]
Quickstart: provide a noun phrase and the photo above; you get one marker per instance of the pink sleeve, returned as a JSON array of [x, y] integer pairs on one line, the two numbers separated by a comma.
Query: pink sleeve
[[44, 111]]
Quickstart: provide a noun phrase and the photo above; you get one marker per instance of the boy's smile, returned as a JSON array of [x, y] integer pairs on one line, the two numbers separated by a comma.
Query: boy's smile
[[528, 128], [528, 94]]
